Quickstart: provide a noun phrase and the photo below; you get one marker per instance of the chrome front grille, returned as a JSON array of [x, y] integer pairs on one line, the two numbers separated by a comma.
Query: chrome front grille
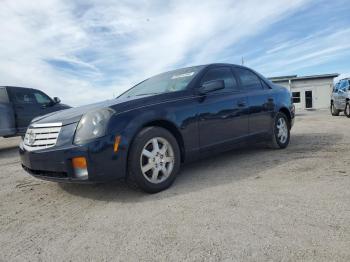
[[41, 136]]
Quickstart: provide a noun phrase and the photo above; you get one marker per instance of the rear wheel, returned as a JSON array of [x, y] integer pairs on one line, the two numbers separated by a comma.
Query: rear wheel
[[334, 111], [280, 132], [347, 109], [154, 160]]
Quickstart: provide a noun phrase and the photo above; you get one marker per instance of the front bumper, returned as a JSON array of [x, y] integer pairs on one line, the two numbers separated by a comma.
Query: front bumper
[[55, 164]]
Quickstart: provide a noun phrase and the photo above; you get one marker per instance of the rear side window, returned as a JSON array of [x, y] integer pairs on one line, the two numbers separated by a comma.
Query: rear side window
[[3, 95], [248, 79], [221, 73], [22, 96]]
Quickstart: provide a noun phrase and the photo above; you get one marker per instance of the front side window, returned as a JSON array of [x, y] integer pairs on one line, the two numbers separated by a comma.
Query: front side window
[[41, 98], [336, 87], [221, 73], [168, 82], [248, 79]]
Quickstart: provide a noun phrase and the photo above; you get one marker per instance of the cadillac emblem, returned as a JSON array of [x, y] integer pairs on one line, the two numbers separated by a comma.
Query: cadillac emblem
[[31, 137]]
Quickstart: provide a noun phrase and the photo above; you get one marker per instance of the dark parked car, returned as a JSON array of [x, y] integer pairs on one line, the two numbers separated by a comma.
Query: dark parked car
[[340, 100], [18, 106], [146, 133]]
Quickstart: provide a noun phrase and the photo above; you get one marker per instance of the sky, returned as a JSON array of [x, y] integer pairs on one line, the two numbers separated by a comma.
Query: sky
[[85, 51]]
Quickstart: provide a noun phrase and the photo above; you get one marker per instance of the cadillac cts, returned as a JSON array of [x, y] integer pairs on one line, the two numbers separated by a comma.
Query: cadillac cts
[[150, 130]]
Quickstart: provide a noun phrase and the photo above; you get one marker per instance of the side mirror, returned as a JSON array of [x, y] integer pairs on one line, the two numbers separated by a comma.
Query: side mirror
[[56, 100], [212, 86]]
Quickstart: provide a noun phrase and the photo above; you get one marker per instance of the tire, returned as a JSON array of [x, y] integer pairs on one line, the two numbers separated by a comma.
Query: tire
[[280, 132], [347, 110], [151, 169], [334, 111]]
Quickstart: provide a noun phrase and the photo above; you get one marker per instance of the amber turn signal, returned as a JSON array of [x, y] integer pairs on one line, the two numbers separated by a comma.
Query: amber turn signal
[[116, 143], [79, 162]]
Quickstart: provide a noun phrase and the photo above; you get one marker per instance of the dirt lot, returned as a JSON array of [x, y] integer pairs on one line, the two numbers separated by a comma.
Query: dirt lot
[[250, 204]]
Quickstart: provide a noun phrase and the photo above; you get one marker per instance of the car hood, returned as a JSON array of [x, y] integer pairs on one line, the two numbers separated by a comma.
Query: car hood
[[73, 115]]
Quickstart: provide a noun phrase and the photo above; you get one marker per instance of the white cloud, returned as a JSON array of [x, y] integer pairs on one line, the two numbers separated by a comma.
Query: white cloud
[[297, 54], [110, 45]]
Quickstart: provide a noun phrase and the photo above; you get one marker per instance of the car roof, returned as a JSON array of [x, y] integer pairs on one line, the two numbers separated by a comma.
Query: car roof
[[225, 64], [15, 87]]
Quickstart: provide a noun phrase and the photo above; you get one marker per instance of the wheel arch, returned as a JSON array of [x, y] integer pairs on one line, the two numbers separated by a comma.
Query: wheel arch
[[172, 128], [285, 111], [169, 126]]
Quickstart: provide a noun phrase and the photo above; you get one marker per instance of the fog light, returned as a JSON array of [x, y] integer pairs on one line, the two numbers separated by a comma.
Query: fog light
[[80, 167]]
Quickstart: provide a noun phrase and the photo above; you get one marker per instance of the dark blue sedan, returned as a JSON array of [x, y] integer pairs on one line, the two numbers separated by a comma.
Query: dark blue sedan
[[150, 130]]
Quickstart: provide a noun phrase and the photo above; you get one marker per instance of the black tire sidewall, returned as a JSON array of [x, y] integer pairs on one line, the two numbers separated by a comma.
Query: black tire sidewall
[[334, 111], [275, 131], [346, 109], [134, 168]]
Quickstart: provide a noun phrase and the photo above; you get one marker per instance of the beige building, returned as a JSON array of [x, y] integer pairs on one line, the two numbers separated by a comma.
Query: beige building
[[309, 92]]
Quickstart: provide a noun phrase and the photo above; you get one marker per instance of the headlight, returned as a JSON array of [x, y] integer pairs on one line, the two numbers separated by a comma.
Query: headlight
[[93, 125]]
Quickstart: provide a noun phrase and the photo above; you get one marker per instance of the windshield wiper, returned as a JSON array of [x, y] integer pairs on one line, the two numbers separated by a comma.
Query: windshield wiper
[[147, 94]]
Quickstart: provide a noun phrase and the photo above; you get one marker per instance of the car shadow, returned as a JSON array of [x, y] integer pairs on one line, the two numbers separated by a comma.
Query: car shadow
[[224, 168], [8, 152]]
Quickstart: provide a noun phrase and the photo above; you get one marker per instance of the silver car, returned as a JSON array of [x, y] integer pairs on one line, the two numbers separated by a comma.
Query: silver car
[[340, 100]]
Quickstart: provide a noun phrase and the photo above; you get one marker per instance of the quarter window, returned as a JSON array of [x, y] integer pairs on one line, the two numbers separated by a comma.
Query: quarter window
[[221, 73], [248, 79]]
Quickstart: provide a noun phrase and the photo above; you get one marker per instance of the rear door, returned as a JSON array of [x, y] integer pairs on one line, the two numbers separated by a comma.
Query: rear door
[[25, 106], [223, 114], [261, 100]]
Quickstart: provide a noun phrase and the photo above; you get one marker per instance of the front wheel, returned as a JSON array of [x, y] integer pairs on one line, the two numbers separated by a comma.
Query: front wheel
[[280, 132], [154, 160], [334, 111], [347, 110]]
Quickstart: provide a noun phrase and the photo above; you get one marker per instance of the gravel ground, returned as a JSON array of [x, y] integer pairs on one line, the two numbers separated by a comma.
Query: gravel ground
[[252, 204]]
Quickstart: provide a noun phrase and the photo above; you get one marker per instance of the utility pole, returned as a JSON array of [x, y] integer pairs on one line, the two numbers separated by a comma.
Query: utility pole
[[242, 60]]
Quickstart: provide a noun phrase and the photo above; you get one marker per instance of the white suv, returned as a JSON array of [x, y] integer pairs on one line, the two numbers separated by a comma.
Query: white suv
[[340, 100]]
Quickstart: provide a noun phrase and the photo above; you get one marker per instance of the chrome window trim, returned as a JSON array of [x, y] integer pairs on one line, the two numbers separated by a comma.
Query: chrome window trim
[[46, 125]]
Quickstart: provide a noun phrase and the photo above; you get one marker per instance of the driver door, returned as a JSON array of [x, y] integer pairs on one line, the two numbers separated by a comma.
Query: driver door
[[223, 114], [45, 102]]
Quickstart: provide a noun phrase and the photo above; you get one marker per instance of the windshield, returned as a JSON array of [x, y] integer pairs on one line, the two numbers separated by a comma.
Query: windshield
[[172, 81]]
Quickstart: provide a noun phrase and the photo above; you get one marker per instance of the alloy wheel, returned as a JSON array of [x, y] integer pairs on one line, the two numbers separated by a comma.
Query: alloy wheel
[[157, 160], [282, 129]]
